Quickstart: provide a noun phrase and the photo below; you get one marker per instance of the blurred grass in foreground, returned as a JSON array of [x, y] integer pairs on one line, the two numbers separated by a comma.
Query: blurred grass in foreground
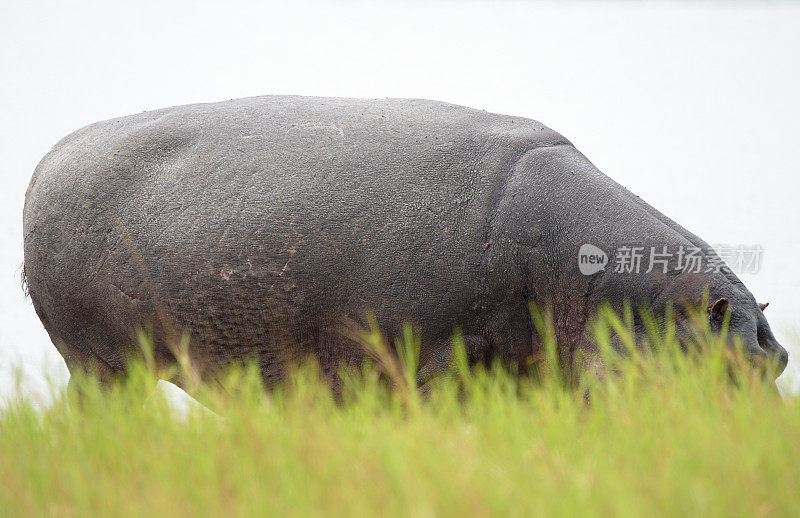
[[660, 433]]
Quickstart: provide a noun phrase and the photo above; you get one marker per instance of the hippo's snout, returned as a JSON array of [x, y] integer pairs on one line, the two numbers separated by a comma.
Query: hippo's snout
[[775, 355], [780, 356], [770, 357]]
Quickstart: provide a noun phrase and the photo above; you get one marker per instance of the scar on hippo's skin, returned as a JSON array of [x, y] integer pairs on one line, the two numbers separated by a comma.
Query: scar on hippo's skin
[[717, 309]]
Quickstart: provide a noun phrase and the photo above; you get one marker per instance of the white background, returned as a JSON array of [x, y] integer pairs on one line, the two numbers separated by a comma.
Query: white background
[[693, 106]]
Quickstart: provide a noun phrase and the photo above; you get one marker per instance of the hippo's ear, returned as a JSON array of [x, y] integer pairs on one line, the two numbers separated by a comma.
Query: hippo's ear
[[717, 309], [763, 305]]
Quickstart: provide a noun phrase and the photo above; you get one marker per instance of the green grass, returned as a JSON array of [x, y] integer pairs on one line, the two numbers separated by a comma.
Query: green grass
[[661, 433]]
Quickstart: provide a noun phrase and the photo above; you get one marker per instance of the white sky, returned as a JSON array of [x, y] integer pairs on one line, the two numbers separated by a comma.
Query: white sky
[[693, 106]]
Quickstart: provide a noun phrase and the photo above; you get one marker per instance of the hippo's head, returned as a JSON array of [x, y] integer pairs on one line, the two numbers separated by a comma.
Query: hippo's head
[[747, 323]]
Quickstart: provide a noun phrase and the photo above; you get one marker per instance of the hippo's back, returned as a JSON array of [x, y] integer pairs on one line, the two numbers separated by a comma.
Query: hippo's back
[[231, 220]]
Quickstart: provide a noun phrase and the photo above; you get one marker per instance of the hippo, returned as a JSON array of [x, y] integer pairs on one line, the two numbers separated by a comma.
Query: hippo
[[261, 228]]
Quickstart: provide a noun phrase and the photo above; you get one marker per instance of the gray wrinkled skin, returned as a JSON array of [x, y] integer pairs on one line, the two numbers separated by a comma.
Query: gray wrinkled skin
[[262, 226]]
